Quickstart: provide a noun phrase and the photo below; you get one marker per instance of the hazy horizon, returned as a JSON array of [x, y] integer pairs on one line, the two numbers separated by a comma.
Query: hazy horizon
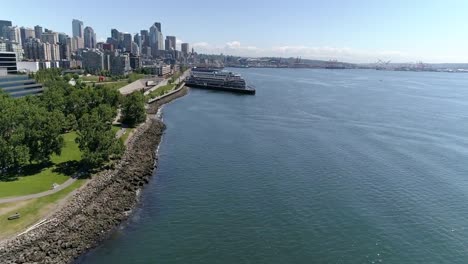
[[354, 31]]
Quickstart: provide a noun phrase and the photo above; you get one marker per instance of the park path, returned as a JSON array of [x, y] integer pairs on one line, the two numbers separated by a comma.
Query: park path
[[38, 195], [166, 81]]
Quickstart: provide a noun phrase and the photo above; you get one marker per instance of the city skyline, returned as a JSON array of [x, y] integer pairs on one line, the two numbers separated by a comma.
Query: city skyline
[[361, 31]]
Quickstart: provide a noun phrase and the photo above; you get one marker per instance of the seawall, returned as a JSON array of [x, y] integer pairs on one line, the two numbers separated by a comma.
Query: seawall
[[95, 210]]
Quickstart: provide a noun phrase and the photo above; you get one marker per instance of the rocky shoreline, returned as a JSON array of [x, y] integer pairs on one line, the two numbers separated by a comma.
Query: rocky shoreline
[[96, 209]]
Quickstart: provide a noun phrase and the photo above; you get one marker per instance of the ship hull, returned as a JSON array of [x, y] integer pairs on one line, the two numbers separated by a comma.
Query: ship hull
[[221, 88]]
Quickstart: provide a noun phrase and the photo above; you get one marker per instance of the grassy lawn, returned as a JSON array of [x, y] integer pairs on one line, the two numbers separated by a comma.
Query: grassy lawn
[[38, 178], [31, 211], [115, 128], [113, 85], [160, 91], [127, 133], [135, 76], [91, 78]]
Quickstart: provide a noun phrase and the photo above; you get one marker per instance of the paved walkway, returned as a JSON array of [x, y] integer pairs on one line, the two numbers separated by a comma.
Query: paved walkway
[[165, 81], [38, 195]]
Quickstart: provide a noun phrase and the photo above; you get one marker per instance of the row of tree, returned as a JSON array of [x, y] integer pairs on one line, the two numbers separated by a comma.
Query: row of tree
[[31, 128]]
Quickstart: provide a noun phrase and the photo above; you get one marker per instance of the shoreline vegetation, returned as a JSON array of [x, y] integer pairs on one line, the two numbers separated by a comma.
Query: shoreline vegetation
[[92, 212]]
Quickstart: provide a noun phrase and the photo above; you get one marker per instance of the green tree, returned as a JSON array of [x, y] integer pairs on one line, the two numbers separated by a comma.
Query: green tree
[[43, 130], [133, 109], [13, 151], [97, 141], [70, 123]]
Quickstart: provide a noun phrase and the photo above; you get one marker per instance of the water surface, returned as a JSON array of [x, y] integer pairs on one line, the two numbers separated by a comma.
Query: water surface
[[321, 166]]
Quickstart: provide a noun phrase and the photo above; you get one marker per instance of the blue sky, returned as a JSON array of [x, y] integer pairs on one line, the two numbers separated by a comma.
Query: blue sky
[[354, 30]]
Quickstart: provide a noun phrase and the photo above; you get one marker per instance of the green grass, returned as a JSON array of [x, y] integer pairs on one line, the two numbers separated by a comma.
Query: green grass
[[38, 178], [113, 85], [91, 78], [31, 211], [135, 76], [127, 133], [160, 91], [124, 137], [115, 128]]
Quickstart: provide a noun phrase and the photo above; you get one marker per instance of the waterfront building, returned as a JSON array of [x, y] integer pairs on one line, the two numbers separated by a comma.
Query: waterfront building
[[77, 27], [38, 31], [89, 38], [92, 60]]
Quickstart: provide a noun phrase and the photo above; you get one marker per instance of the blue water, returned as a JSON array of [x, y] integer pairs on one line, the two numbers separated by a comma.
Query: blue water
[[321, 166]]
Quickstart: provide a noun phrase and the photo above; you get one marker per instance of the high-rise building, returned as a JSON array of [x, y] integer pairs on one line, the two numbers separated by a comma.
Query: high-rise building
[[77, 27], [10, 46], [170, 43], [26, 33], [54, 51], [4, 23], [39, 51], [38, 31], [127, 42], [89, 38], [77, 43], [156, 39], [115, 34], [144, 38], [135, 62], [12, 34], [119, 64], [185, 48], [120, 39], [93, 60], [135, 49], [50, 37], [64, 46], [158, 25], [62, 38], [137, 40]]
